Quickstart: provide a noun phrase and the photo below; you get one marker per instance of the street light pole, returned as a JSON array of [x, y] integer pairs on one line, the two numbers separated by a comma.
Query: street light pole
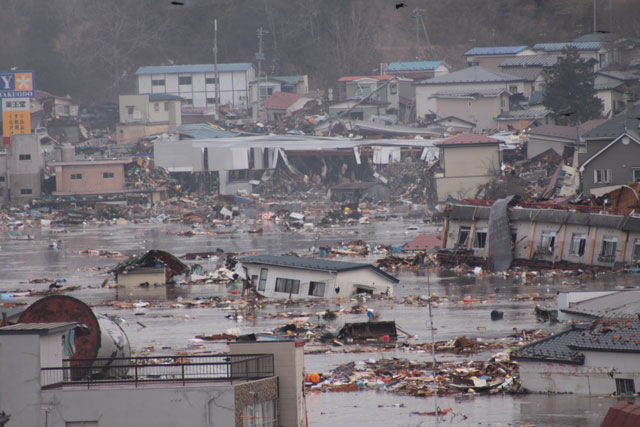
[[215, 61]]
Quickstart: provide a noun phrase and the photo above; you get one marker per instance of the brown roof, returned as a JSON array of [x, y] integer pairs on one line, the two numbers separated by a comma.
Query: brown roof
[[468, 139], [423, 242], [622, 414], [281, 100], [566, 132]]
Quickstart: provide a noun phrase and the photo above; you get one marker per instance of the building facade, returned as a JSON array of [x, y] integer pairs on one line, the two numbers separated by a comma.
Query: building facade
[[94, 177]]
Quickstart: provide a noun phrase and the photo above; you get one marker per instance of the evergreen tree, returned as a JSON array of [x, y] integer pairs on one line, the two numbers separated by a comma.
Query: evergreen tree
[[570, 92]]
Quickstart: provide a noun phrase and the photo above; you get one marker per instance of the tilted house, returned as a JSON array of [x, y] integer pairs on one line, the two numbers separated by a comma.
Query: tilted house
[[152, 267], [294, 277]]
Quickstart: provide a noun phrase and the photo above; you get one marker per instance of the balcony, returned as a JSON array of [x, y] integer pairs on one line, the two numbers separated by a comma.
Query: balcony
[[143, 371]]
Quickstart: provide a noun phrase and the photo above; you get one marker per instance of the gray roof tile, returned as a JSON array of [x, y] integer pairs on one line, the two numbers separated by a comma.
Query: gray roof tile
[[475, 74], [554, 348], [617, 335], [544, 61]]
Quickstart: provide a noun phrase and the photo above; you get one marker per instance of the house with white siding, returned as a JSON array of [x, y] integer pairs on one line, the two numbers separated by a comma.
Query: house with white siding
[[491, 57], [196, 84], [301, 278]]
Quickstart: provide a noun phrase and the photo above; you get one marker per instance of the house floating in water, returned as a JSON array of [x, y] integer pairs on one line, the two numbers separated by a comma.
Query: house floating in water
[[293, 277], [152, 267]]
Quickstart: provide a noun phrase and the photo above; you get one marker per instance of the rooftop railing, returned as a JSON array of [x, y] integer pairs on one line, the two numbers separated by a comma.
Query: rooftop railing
[[175, 370]]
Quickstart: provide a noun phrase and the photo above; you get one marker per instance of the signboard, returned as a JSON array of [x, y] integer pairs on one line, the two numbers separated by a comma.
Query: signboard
[[17, 84], [15, 122]]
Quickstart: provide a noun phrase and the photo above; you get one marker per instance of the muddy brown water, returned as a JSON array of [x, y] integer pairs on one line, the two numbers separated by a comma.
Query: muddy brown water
[[167, 330]]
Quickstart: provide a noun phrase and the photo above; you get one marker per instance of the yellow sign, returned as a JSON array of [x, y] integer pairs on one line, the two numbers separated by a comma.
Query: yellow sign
[[16, 122]]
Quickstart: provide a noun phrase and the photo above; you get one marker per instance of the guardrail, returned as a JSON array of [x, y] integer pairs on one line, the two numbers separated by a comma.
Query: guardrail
[[137, 371]]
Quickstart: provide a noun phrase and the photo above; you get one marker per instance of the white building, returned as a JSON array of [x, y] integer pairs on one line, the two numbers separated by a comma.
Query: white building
[[196, 84], [41, 385], [293, 277], [600, 360]]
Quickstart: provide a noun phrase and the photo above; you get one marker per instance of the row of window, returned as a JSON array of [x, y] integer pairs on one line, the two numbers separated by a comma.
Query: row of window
[[184, 80], [547, 243], [288, 286], [605, 176], [106, 175]]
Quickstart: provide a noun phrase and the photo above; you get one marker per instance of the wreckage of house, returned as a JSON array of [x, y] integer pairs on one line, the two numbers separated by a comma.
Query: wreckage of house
[[542, 234], [301, 278]]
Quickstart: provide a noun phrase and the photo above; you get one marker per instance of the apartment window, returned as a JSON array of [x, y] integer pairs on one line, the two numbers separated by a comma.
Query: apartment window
[[288, 286], [266, 91], [316, 289], [262, 285], [547, 243], [463, 236], [210, 80], [480, 239], [578, 244], [25, 191], [636, 175], [260, 414], [636, 250], [1, 178], [602, 176], [157, 82], [608, 249], [156, 107], [24, 156], [76, 176], [184, 80], [394, 89], [166, 106], [211, 101], [513, 89], [130, 110], [625, 386], [108, 175]]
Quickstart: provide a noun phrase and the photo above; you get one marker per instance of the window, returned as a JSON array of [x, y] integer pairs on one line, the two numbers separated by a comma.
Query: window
[[211, 101], [210, 80], [108, 175], [394, 89], [187, 102], [547, 243], [76, 176], [260, 414], [602, 176], [288, 286], [156, 106], [1, 178], [480, 240], [166, 106], [578, 243], [636, 174], [266, 92], [262, 285], [184, 80], [513, 89], [158, 82], [636, 250], [625, 386], [608, 249], [254, 280], [603, 59], [463, 236], [316, 289], [130, 109], [503, 102], [24, 156], [25, 191]]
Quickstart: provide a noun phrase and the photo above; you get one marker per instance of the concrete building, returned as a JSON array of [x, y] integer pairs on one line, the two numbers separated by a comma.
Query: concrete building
[[301, 278], [196, 84], [468, 160], [21, 170], [40, 386], [600, 360], [492, 57], [147, 114], [90, 177]]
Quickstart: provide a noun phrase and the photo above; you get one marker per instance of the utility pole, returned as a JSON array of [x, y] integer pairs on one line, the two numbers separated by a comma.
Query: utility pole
[[215, 61], [595, 2], [259, 58]]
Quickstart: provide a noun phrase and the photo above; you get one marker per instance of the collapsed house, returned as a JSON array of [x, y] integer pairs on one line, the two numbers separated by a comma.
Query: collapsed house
[[539, 234], [298, 278], [152, 267]]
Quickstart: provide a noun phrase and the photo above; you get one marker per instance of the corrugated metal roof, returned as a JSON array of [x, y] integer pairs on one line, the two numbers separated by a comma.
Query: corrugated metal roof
[[311, 264], [554, 348], [462, 93], [619, 304], [526, 74], [204, 131], [43, 328], [495, 50], [557, 47], [289, 79], [414, 66], [475, 74], [468, 139], [194, 68], [544, 61]]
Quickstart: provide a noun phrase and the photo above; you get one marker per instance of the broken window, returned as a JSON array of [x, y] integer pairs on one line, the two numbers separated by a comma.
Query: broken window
[[288, 286], [463, 236], [260, 414], [130, 110], [254, 280], [608, 250], [578, 244], [547, 243], [316, 289], [262, 285], [625, 386], [185, 80], [480, 240], [602, 176]]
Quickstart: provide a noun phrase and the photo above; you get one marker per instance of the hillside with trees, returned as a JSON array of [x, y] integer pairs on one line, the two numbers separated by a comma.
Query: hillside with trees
[[90, 49]]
